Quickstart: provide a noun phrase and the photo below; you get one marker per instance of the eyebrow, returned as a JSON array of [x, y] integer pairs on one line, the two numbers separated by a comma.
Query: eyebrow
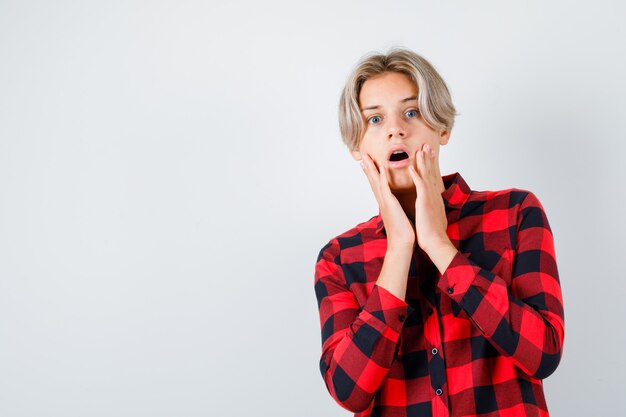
[[377, 106]]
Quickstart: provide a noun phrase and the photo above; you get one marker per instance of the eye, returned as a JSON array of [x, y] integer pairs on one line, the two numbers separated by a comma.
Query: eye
[[374, 119], [412, 113]]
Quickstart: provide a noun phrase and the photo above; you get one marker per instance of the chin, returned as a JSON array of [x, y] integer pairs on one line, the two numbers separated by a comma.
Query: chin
[[402, 190], [402, 185]]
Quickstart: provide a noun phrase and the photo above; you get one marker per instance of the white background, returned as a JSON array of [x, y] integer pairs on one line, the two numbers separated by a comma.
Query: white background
[[169, 172]]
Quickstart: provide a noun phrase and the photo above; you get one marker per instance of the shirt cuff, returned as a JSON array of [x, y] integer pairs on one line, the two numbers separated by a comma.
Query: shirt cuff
[[458, 277], [386, 307]]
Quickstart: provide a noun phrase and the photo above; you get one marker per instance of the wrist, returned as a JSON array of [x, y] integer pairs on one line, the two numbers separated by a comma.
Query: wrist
[[400, 248], [442, 256], [395, 270], [439, 244]]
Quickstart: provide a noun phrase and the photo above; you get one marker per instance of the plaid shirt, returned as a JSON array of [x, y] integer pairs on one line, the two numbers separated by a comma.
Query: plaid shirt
[[474, 341]]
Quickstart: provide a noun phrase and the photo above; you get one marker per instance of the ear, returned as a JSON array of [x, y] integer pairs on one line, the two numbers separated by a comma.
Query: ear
[[356, 155], [444, 137]]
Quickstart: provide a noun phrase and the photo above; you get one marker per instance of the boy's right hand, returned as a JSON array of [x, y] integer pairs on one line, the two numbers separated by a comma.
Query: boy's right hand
[[400, 230]]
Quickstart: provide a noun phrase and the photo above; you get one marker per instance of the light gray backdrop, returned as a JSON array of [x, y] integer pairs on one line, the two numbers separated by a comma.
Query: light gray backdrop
[[169, 171]]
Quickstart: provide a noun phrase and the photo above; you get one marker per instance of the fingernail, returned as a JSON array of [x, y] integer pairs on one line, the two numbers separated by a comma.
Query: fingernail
[[362, 164]]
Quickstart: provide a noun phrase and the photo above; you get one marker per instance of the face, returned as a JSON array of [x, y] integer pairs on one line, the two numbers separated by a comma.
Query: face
[[388, 104]]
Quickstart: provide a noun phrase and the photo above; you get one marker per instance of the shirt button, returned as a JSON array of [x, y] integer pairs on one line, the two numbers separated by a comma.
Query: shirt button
[[438, 391], [401, 317], [429, 311], [434, 351], [450, 290]]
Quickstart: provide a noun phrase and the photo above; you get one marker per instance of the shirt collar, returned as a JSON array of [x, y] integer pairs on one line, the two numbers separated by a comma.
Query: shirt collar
[[454, 196]]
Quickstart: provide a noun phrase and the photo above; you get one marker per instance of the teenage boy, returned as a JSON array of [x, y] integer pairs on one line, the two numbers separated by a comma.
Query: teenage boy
[[448, 302]]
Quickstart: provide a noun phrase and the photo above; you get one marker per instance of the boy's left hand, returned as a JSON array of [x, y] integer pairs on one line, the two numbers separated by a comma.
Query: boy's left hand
[[430, 213]]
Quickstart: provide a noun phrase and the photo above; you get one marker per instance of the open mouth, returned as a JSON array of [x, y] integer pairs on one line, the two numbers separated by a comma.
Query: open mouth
[[398, 156]]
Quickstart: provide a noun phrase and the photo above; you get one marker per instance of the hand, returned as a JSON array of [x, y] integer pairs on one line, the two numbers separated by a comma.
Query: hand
[[430, 213], [399, 229]]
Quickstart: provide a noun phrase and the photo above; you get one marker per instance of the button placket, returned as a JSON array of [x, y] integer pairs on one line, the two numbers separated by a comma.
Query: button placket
[[436, 364]]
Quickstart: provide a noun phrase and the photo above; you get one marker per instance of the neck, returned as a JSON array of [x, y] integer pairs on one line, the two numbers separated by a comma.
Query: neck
[[407, 201]]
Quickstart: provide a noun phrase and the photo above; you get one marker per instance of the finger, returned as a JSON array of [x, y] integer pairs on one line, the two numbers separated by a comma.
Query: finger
[[421, 164], [431, 165], [372, 169], [427, 161], [372, 176], [417, 180], [367, 169], [384, 182], [414, 175]]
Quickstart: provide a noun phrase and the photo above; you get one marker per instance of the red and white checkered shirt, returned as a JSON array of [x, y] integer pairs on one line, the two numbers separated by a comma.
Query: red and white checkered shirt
[[476, 340]]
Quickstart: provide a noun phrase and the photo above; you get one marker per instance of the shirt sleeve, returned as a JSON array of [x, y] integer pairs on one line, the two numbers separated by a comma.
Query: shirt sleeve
[[358, 344], [524, 322]]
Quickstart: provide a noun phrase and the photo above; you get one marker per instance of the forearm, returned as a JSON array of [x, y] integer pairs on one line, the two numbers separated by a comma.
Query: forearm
[[359, 343], [442, 254], [521, 314], [530, 334], [395, 270], [357, 355]]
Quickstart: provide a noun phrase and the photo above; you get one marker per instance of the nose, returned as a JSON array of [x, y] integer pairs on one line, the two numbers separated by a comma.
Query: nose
[[396, 128]]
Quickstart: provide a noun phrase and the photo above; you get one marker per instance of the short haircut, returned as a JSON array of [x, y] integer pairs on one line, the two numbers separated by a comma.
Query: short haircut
[[434, 101]]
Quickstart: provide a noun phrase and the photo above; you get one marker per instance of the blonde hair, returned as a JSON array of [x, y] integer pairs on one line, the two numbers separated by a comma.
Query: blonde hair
[[434, 101]]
